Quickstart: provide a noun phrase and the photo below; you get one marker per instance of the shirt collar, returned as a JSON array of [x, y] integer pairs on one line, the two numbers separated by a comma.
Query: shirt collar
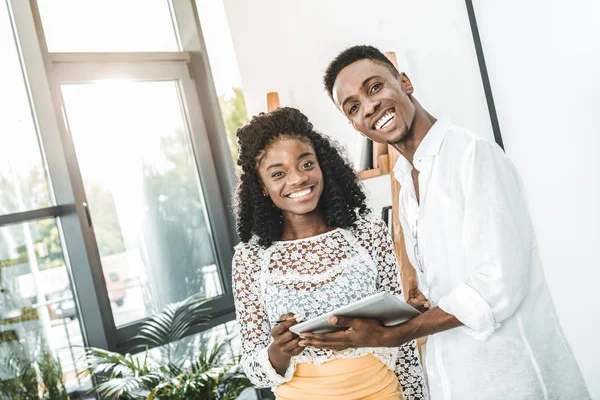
[[429, 147]]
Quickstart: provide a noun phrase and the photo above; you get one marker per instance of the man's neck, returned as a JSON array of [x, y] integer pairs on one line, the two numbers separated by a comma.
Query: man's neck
[[420, 127]]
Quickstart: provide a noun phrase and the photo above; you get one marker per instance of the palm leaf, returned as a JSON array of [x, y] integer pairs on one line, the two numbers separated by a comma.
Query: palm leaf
[[25, 386], [52, 375], [173, 323], [106, 363], [130, 385], [208, 358]]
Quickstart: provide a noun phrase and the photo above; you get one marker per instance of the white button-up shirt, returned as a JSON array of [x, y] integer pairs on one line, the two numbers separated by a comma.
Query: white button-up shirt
[[472, 243]]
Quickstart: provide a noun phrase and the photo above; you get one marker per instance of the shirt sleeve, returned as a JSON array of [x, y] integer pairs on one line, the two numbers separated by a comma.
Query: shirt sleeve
[[498, 238], [253, 320], [408, 365]]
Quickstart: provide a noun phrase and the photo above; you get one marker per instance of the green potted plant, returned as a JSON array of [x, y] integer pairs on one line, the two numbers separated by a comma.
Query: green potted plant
[[202, 371], [33, 380]]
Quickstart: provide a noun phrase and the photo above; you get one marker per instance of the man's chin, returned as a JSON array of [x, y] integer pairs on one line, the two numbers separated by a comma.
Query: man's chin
[[393, 141], [376, 139], [397, 137]]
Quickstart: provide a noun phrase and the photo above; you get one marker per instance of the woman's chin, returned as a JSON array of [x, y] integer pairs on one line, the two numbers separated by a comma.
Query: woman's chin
[[302, 210]]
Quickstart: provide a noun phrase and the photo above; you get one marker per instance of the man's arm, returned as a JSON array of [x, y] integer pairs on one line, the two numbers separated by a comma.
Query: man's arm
[[431, 322], [498, 238], [372, 333]]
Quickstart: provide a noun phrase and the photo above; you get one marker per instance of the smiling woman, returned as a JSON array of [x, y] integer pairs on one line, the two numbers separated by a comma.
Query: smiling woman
[[275, 170], [291, 177], [309, 246]]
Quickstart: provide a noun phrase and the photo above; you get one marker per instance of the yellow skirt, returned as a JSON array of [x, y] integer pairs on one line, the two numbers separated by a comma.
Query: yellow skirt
[[345, 379]]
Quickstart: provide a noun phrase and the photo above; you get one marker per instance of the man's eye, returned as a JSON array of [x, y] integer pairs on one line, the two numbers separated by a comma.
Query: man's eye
[[353, 109], [375, 87]]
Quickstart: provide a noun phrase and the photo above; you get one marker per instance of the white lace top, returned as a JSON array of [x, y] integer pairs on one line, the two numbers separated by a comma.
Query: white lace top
[[309, 277]]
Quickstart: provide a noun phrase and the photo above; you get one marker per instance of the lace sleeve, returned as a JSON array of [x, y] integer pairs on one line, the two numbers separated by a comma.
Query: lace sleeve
[[383, 253], [410, 372], [378, 242], [253, 320]]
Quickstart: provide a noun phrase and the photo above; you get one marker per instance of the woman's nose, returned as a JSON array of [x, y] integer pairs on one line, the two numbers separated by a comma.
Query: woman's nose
[[297, 177]]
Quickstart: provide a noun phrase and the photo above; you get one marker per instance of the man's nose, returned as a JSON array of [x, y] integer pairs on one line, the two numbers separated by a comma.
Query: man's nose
[[371, 106]]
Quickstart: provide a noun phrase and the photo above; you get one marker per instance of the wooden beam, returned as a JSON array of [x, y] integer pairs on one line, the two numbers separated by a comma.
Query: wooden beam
[[272, 101], [391, 55], [407, 271]]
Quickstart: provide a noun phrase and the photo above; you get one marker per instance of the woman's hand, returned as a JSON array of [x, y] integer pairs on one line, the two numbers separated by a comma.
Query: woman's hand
[[285, 344]]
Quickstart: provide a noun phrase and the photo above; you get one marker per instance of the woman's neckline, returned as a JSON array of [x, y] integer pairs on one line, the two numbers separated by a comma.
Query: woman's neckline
[[306, 238]]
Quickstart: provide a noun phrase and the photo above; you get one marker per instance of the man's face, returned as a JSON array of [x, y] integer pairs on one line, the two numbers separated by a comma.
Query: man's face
[[376, 102]]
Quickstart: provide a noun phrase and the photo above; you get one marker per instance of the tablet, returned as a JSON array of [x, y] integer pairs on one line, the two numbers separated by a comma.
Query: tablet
[[384, 306]]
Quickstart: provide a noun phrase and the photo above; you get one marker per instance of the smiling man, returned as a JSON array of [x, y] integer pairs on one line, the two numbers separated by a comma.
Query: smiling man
[[494, 333]]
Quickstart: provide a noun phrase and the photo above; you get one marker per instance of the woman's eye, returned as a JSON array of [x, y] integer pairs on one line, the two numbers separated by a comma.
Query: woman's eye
[[308, 164], [276, 174], [375, 87]]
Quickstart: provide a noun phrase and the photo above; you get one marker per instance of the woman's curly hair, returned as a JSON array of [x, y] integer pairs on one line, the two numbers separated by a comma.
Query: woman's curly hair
[[342, 201]]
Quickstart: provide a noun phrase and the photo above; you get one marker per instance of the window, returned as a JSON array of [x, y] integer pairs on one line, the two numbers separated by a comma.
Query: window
[[39, 319], [38, 312], [228, 83], [144, 194], [149, 186], [108, 25], [125, 192], [23, 179]]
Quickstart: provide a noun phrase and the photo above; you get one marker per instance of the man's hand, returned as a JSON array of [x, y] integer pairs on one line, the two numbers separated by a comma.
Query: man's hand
[[415, 297], [372, 333], [359, 332]]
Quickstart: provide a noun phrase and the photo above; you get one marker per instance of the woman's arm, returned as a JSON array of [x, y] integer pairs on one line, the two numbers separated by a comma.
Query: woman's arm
[[264, 367]]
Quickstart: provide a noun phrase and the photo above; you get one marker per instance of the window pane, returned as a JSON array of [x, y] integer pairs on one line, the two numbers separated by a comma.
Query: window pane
[[37, 311], [108, 25], [224, 67], [144, 194], [23, 182]]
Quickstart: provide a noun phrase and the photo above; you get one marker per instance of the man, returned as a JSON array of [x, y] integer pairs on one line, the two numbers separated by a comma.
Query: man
[[493, 331]]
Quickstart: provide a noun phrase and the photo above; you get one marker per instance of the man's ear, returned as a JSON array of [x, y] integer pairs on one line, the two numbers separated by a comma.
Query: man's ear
[[406, 83]]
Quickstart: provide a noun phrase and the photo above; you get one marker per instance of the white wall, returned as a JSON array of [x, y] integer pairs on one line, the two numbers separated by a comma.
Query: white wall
[[544, 63], [285, 46], [543, 58]]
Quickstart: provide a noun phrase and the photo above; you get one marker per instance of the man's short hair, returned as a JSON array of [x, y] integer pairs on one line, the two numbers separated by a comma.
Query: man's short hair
[[351, 55]]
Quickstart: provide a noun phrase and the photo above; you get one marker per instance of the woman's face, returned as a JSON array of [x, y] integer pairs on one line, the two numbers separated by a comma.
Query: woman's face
[[291, 176]]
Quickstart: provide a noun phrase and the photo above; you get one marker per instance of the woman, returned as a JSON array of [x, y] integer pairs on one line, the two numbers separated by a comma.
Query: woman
[[309, 247]]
